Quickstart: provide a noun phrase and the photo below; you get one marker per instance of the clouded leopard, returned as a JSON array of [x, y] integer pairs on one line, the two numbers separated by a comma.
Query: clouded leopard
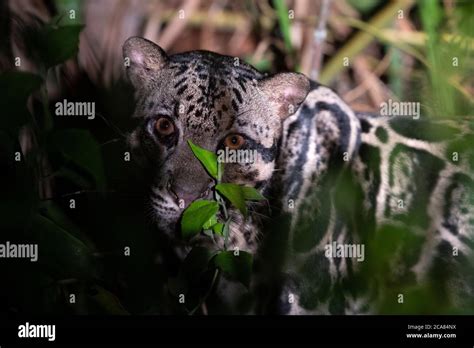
[[337, 182]]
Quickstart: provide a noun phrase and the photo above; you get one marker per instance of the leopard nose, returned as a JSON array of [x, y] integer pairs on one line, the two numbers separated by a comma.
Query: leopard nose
[[184, 196]]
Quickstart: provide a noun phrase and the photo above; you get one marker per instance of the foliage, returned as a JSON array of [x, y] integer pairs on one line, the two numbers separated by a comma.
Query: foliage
[[67, 255], [212, 218]]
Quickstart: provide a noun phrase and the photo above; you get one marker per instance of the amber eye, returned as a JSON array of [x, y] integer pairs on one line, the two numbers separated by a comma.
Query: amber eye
[[164, 126], [234, 141]]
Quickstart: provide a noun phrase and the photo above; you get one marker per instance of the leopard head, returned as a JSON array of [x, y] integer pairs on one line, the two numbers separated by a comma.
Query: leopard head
[[218, 102]]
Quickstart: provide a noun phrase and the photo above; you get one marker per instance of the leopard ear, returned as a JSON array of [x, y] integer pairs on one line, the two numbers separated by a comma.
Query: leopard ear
[[285, 91], [141, 58]]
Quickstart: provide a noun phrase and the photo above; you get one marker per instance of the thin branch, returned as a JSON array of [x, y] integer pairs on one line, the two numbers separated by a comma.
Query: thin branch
[[206, 295], [111, 125]]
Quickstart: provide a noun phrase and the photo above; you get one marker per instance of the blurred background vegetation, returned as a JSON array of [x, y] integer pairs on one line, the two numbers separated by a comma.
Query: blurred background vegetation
[[367, 50]]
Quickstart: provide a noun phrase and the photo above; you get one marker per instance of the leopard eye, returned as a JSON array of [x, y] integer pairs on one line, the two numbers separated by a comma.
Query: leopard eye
[[164, 126], [234, 141]]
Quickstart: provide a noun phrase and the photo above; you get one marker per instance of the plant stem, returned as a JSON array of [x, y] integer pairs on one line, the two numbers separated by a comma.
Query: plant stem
[[222, 203], [206, 295]]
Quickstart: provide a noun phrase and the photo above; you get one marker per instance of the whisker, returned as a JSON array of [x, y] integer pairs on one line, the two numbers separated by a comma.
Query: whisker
[[259, 214], [111, 125]]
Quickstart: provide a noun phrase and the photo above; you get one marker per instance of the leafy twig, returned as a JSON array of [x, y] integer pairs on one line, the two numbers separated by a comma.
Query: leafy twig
[[203, 215]]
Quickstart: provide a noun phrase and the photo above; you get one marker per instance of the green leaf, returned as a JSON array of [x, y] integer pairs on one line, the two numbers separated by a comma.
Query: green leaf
[[61, 253], [196, 262], [108, 301], [235, 194], [218, 228], [63, 8], [80, 147], [58, 44], [237, 267], [207, 158], [196, 215], [209, 223], [252, 194]]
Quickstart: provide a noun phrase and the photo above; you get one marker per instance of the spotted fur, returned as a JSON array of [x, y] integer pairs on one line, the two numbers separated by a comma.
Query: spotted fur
[[407, 178], [308, 142]]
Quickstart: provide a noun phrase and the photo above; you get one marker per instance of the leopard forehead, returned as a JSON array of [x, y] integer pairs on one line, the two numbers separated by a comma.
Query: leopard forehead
[[210, 94]]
